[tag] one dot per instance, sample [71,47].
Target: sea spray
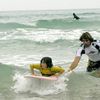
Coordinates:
[40,87]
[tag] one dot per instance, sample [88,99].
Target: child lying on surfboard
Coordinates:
[46,67]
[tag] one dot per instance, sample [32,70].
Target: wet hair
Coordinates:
[48,61]
[86,36]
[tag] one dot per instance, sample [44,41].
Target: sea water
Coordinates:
[27,36]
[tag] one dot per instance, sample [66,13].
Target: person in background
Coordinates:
[91,48]
[75,16]
[46,67]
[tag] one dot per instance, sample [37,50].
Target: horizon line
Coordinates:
[48,9]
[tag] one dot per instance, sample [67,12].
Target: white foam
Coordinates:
[45,35]
[41,87]
[42,35]
[19,60]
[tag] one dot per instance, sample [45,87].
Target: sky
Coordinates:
[6,5]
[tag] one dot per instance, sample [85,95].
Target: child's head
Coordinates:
[46,62]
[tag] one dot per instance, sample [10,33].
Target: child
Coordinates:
[46,67]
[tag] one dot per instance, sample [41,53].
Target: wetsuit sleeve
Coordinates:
[98,43]
[36,66]
[57,69]
[79,52]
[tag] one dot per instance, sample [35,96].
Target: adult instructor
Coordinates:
[91,48]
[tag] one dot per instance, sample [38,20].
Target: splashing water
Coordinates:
[40,87]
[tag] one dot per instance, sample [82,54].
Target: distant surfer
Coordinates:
[46,67]
[75,16]
[91,48]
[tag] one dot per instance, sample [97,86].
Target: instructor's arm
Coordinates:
[74,64]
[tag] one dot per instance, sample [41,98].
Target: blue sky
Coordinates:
[6,5]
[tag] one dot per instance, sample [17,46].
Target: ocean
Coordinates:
[27,36]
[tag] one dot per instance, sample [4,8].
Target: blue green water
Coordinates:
[27,36]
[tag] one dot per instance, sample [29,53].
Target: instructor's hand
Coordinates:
[68,69]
